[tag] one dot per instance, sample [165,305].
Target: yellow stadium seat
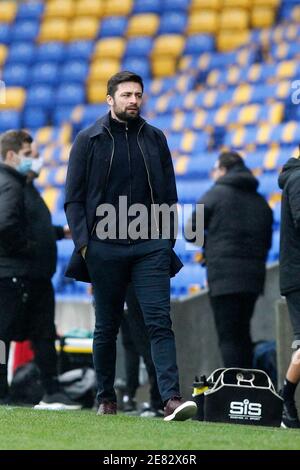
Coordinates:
[267,3]
[163,66]
[234,18]
[14,98]
[59,9]
[50,195]
[84,28]
[143,25]
[237,3]
[205,21]
[197,5]
[168,44]
[262,17]
[286,69]
[54,30]
[89,7]
[228,40]
[242,94]
[117,7]
[296,14]
[8,11]
[96,92]
[3,54]
[103,69]
[109,48]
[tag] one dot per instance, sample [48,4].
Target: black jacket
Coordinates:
[289,182]
[89,168]
[14,245]
[238,224]
[42,233]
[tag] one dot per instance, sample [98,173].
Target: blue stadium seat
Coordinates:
[137,65]
[27,30]
[5,33]
[45,73]
[274,251]
[176,5]
[51,52]
[198,43]
[30,10]
[40,96]
[79,50]
[74,71]
[190,192]
[10,120]
[138,47]
[147,6]
[90,114]
[268,184]
[21,53]
[70,94]
[113,26]
[173,22]
[16,75]
[62,114]
[277,215]
[33,118]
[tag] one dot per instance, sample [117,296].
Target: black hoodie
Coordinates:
[289,182]
[238,225]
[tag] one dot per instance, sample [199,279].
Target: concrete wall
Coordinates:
[196,340]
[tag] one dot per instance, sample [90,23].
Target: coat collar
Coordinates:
[101,124]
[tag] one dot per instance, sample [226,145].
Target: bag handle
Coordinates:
[220,377]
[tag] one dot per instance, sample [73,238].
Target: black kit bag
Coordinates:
[242,396]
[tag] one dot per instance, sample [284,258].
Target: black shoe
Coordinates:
[57,401]
[129,404]
[290,417]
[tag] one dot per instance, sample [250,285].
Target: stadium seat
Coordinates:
[140,47]
[113,26]
[147,6]
[96,92]
[70,94]
[91,7]
[163,66]
[51,52]
[172,23]
[33,118]
[54,30]
[45,73]
[137,65]
[234,19]
[14,98]
[197,5]
[227,41]
[3,54]
[8,11]
[25,31]
[109,48]
[40,96]
[103,69]
[59,9]
[74,71]
[16,75]
[117,8]
[85,28]
[170,45]
[30,10]
[143,25]
[9,119]
[79,50]
[203,21]
[196,44]
[262,17]
[5,33]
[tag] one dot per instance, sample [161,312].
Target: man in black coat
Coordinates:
[118,164]
[289,182]
[238,234]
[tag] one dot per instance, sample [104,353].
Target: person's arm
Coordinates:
[11,217]
[76,192]
[294,200]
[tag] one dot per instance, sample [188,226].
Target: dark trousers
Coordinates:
[293,302]
[147,265]
[27,312]
[137,344]
[232,315]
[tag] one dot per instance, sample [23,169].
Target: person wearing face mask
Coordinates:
[37,323]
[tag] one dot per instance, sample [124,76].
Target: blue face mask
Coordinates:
[25,165]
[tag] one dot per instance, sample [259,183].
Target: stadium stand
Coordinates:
[218,74]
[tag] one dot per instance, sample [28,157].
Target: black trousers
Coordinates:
[233,315]
[147,266]
[293,302]
[137,344]
[27,312]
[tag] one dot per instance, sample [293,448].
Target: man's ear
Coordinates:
[9,156]
[109,100]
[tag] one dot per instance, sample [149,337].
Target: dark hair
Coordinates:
[13,140]
[228,160]
[122,77]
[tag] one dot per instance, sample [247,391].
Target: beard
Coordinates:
[127,115]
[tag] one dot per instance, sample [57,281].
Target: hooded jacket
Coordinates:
[238,233]
[289,182]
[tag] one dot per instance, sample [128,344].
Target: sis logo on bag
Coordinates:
[245,410]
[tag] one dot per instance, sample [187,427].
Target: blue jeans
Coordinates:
[147,265]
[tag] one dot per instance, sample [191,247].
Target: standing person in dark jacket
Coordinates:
[289,182]
[15,249]
[238,225]
[27,299]
[122,155]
